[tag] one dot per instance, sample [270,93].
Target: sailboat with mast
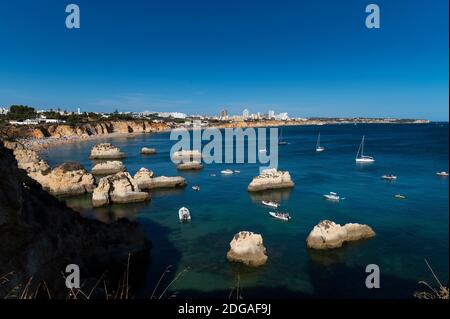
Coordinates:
[360,157]
[318,147]
[280,140]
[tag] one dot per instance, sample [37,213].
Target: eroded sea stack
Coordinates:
[247,248]
[327,234]
[119,188]
[270,179]
[105,151]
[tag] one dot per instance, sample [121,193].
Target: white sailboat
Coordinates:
[318,147]
[360,157]
[280,140]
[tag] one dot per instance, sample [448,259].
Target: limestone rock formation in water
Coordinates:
[247,248]
[328,235]
[108,167]
[270,179]
[161,182]
[68,179]
[190,166]
[118,188]
[106,151]
[148,151]
[40,236]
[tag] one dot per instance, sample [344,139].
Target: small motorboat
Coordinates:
[270,204]
[227,172]
[445,174]
[389,177]
[196,188]
[184,214]
[332,196]
[399,196]
[236,171]
[283,216]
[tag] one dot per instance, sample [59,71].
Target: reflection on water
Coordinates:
[274,195]
[107,214]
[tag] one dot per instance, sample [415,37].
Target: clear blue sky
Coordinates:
[308,58]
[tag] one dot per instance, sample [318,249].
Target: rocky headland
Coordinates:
[39,235]
[328,235]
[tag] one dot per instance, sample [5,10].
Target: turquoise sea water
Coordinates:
[407,230]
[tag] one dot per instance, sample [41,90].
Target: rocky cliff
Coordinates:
[81,130]
[39,235]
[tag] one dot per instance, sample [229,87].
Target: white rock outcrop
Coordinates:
[328,235]
[270,179]
[118,188]
[106,151]
[148,151]
[247,248]
[190,166]
[108,167]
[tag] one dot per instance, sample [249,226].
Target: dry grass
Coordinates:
[121,292]
[440,292]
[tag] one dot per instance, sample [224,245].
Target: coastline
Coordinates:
[41,143]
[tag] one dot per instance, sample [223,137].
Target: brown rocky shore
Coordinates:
[38,137]
[40,236]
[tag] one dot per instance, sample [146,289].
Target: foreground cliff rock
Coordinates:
[328,235]
[247,248]
[40,236]
[108,167]
[270,179]
[106,151]
[119,188]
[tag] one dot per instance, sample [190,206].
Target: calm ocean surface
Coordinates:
[407,230]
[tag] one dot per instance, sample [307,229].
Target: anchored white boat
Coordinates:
[283,216]
[332,196]
[184,214]
[196,188]
[227,172]
[360,157]
[389,177]
[270,204]
[442,173]
[280,140]
[318,147]
[399,196]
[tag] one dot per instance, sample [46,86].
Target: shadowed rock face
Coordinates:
[39,235]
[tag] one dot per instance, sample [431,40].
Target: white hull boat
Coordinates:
[445,174]
[318,147]
[332,196]
[226,172]
[389,177]
[360,157]
[270,204]
[184,214]
[283,216]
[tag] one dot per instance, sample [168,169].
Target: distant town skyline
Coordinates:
[306,58]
